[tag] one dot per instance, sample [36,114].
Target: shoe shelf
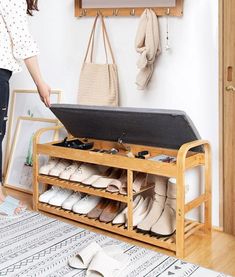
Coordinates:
[163,242]
[44,179]
[185,159]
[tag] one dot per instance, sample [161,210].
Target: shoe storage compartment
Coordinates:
[185,159]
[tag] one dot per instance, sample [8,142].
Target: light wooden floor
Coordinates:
[216,253]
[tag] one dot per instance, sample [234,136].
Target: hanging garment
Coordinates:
[98,82]
[147,43]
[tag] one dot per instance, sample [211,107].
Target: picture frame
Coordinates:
[19,174]
[25,103]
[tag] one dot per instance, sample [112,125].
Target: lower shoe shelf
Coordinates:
[164,242]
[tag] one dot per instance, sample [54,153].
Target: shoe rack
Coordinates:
[186,159]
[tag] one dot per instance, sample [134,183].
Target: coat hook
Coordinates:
[84,12]
[115,12]
[168,11]
[98,12]
[132,12]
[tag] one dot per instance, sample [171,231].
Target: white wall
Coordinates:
[185,78]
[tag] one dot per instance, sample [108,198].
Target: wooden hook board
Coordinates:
[81,11]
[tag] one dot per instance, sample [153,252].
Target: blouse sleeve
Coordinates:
[14,13]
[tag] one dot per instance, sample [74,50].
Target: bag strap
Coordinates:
[91,40]
[105,36]
[90,47]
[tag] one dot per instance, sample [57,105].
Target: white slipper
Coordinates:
[98,266]
[91,179]
[85,255]
[104,172]
[103,182]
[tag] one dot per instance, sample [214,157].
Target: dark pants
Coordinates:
[5,75]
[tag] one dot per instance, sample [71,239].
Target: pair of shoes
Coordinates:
[86,204]
[109,261]
[59,168]
[59,197]
[161,219]
[54,167]
[72,200]
[104,172]
[83,172]
[101,182]
[67,170]
[45,169]
[141,207]
[120,185]
[77,171]
[76,144]
[55,196]
[106,210]
[49,194]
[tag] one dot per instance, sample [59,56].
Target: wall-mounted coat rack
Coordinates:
[127,7]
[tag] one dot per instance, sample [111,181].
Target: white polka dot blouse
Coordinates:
[16,42]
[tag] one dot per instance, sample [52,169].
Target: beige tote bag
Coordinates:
[98,82]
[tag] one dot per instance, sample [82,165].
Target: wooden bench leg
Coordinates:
[180,203]
[130,200]
[35,180]
[207,207]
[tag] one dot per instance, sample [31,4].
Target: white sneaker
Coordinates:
[60,167]
[47,195]
[86,204]
[60,197]
[69,170]
[71,200]
[84,172]
[47,167]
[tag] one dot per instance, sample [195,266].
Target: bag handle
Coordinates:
[90,47]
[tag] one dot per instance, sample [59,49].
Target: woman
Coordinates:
[16,44]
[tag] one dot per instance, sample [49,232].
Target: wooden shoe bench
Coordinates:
[186,159]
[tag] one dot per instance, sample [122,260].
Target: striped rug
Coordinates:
[36,245]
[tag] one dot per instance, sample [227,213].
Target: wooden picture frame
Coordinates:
[19,175]
[80,11]
[21,104]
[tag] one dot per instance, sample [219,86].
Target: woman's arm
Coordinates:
[34,70]
[24,47]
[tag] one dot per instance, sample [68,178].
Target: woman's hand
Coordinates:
[44,92]
[43,89]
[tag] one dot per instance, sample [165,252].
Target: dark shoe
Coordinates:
[110,212]
[76,144]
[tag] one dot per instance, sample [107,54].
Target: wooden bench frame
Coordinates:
[185,160]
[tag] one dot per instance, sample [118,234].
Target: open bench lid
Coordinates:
[150,127]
